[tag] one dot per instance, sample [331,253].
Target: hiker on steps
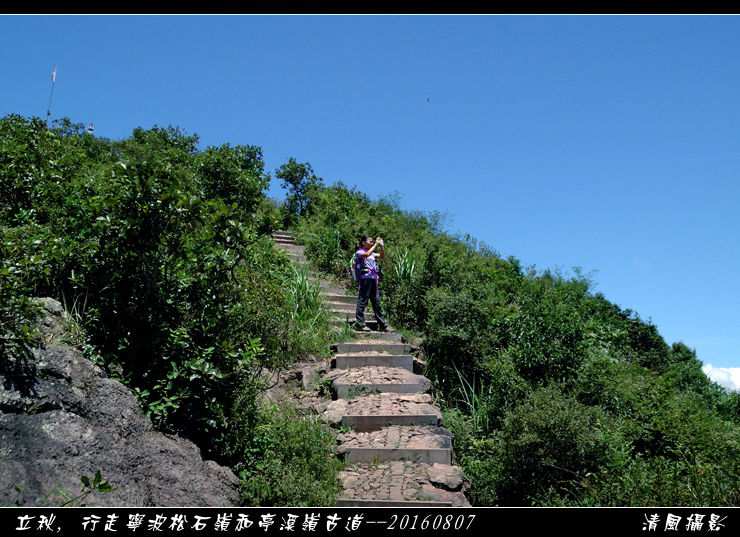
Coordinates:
[365,257]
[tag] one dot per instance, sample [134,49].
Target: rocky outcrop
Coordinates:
[61,417]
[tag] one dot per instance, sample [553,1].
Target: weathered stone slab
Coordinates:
[372,345]
[398,484]
[373,412]
[349,310]
[333,297]
[387,336]
[447,477]
[427,455]
[344,307]
[326,287]
[351,361]
[368,380]
[425,444]
[290,247]
[345,502]
[342,321]
[376,335]
[351,318]
[376,422]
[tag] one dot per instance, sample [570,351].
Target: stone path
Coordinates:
[390,433]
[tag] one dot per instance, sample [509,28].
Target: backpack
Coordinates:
[355,269]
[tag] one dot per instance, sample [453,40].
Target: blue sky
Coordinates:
[608,143]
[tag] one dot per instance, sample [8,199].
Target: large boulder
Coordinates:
[61,417]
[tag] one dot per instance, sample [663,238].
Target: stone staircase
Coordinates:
[390,433]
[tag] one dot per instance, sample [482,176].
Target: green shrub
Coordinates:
[234,175]
[184,303]
[287,460]
[479,458]
[549,441]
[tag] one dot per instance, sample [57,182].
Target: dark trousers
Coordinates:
[369,290]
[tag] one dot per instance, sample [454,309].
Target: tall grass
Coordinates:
[309,316]
[404,268]
[468,398]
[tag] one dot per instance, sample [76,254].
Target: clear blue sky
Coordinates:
[609,143]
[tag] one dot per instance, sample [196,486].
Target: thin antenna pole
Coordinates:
[48,110]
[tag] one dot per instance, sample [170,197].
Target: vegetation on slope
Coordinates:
[160,251]
[555,395]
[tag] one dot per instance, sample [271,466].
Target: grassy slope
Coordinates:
[556,396]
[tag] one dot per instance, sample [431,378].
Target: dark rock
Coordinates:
[61,417]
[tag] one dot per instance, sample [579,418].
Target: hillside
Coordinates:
[162,255]
[555,395]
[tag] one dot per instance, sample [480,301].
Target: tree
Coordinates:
[299,180]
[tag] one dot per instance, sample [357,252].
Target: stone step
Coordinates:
[411,502]
[369,321]
[376,422]
[371,344]
[403,484]
[346,318]
[290,247]
[387,336]
[421,444]
[350,317]
[353,361]
[348,314]
[284,234]
[375,335]
[373,412]
[343,307]
[339,298]
[326,287]
[341,304]
[347,307]
[350,383]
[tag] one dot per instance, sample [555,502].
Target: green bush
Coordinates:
[478,456]
[549,441]
[233,175]
[288,460]
[183,300]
